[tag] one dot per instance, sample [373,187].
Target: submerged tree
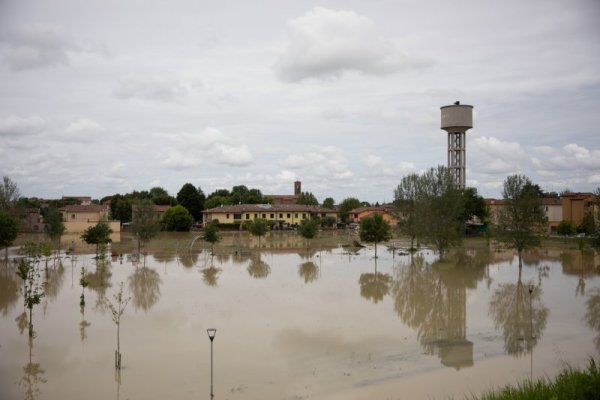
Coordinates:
[308,229]
[211,235]
[83,282]
[54,226]
[98,235]
[145,224]
[522,220]
[8,231]
[374,229]
[33,291]
[258,227]
[117,309]
[406,198]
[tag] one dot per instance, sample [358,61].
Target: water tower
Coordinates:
[456,120]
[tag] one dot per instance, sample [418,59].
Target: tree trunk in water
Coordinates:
[30,323]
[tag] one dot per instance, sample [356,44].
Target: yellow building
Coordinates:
[576,205]
[77,218]
[356,215]
[281,214]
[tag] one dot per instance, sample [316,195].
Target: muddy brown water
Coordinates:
[328,322]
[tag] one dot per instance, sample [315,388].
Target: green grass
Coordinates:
[570,384]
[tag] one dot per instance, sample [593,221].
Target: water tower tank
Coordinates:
[456,120]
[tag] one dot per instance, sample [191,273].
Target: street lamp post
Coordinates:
[211,335]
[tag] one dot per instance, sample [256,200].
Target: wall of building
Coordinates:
[289,218]
[81,226]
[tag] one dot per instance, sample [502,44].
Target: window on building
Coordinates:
[288,215]
[226,216]
[264,216]
[247,216]
[295,215]
[237,217]
[280,215]
[272,215]
[72,216]
[255,215]
[303,215]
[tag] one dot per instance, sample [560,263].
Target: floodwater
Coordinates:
[330,322]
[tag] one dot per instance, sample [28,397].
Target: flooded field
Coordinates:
[325,322]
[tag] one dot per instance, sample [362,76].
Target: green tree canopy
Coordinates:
[522,220]
[177,218]
[406,201]
[307,198]
[329,202]
[346,205]
[97,234]
[9,193]
[55,227]
[565,228]
[211,235]
[190,198]
[258,227]
[8,230]
[473,206]
[216,201]
[160,196]
[145,224]
[374,229]
[308,229]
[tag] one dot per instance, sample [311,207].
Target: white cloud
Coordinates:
[37,46]
[151,89]
[493,156]
[325,43]
[322,162]
[192,150]
[12,125]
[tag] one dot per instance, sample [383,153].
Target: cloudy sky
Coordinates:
[105,96]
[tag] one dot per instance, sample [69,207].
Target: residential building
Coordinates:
[287,198]
[77,218]
[553,209]
[32,221]
[283,215]
[386,211]
[159,210]
[576,205]
[83,200]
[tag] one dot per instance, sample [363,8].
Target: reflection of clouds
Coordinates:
[308,271]
[521,316]
[144,284]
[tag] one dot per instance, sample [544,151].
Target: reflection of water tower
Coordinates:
[456,120]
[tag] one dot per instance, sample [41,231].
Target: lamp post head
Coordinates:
[211,333]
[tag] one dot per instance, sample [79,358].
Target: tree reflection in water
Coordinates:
[432,300]
[83,325]
[210,275]
[144,284]
[374,286]
[258,268]
[32,377]
[520,314]
[592,316]
[309,271]
[55,278]
[9,290]
[188,259]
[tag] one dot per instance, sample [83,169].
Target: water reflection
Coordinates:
[592,315]
[9,289]
[308,271]
[520,313]
[144,284]
[188,259]
[374,286]
[257,268]
[83,325]
[432,300]
[210,275]
[54,279]
[32,376]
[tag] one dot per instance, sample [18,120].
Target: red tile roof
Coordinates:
[92,208]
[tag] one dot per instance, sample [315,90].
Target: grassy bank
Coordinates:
[571,384]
